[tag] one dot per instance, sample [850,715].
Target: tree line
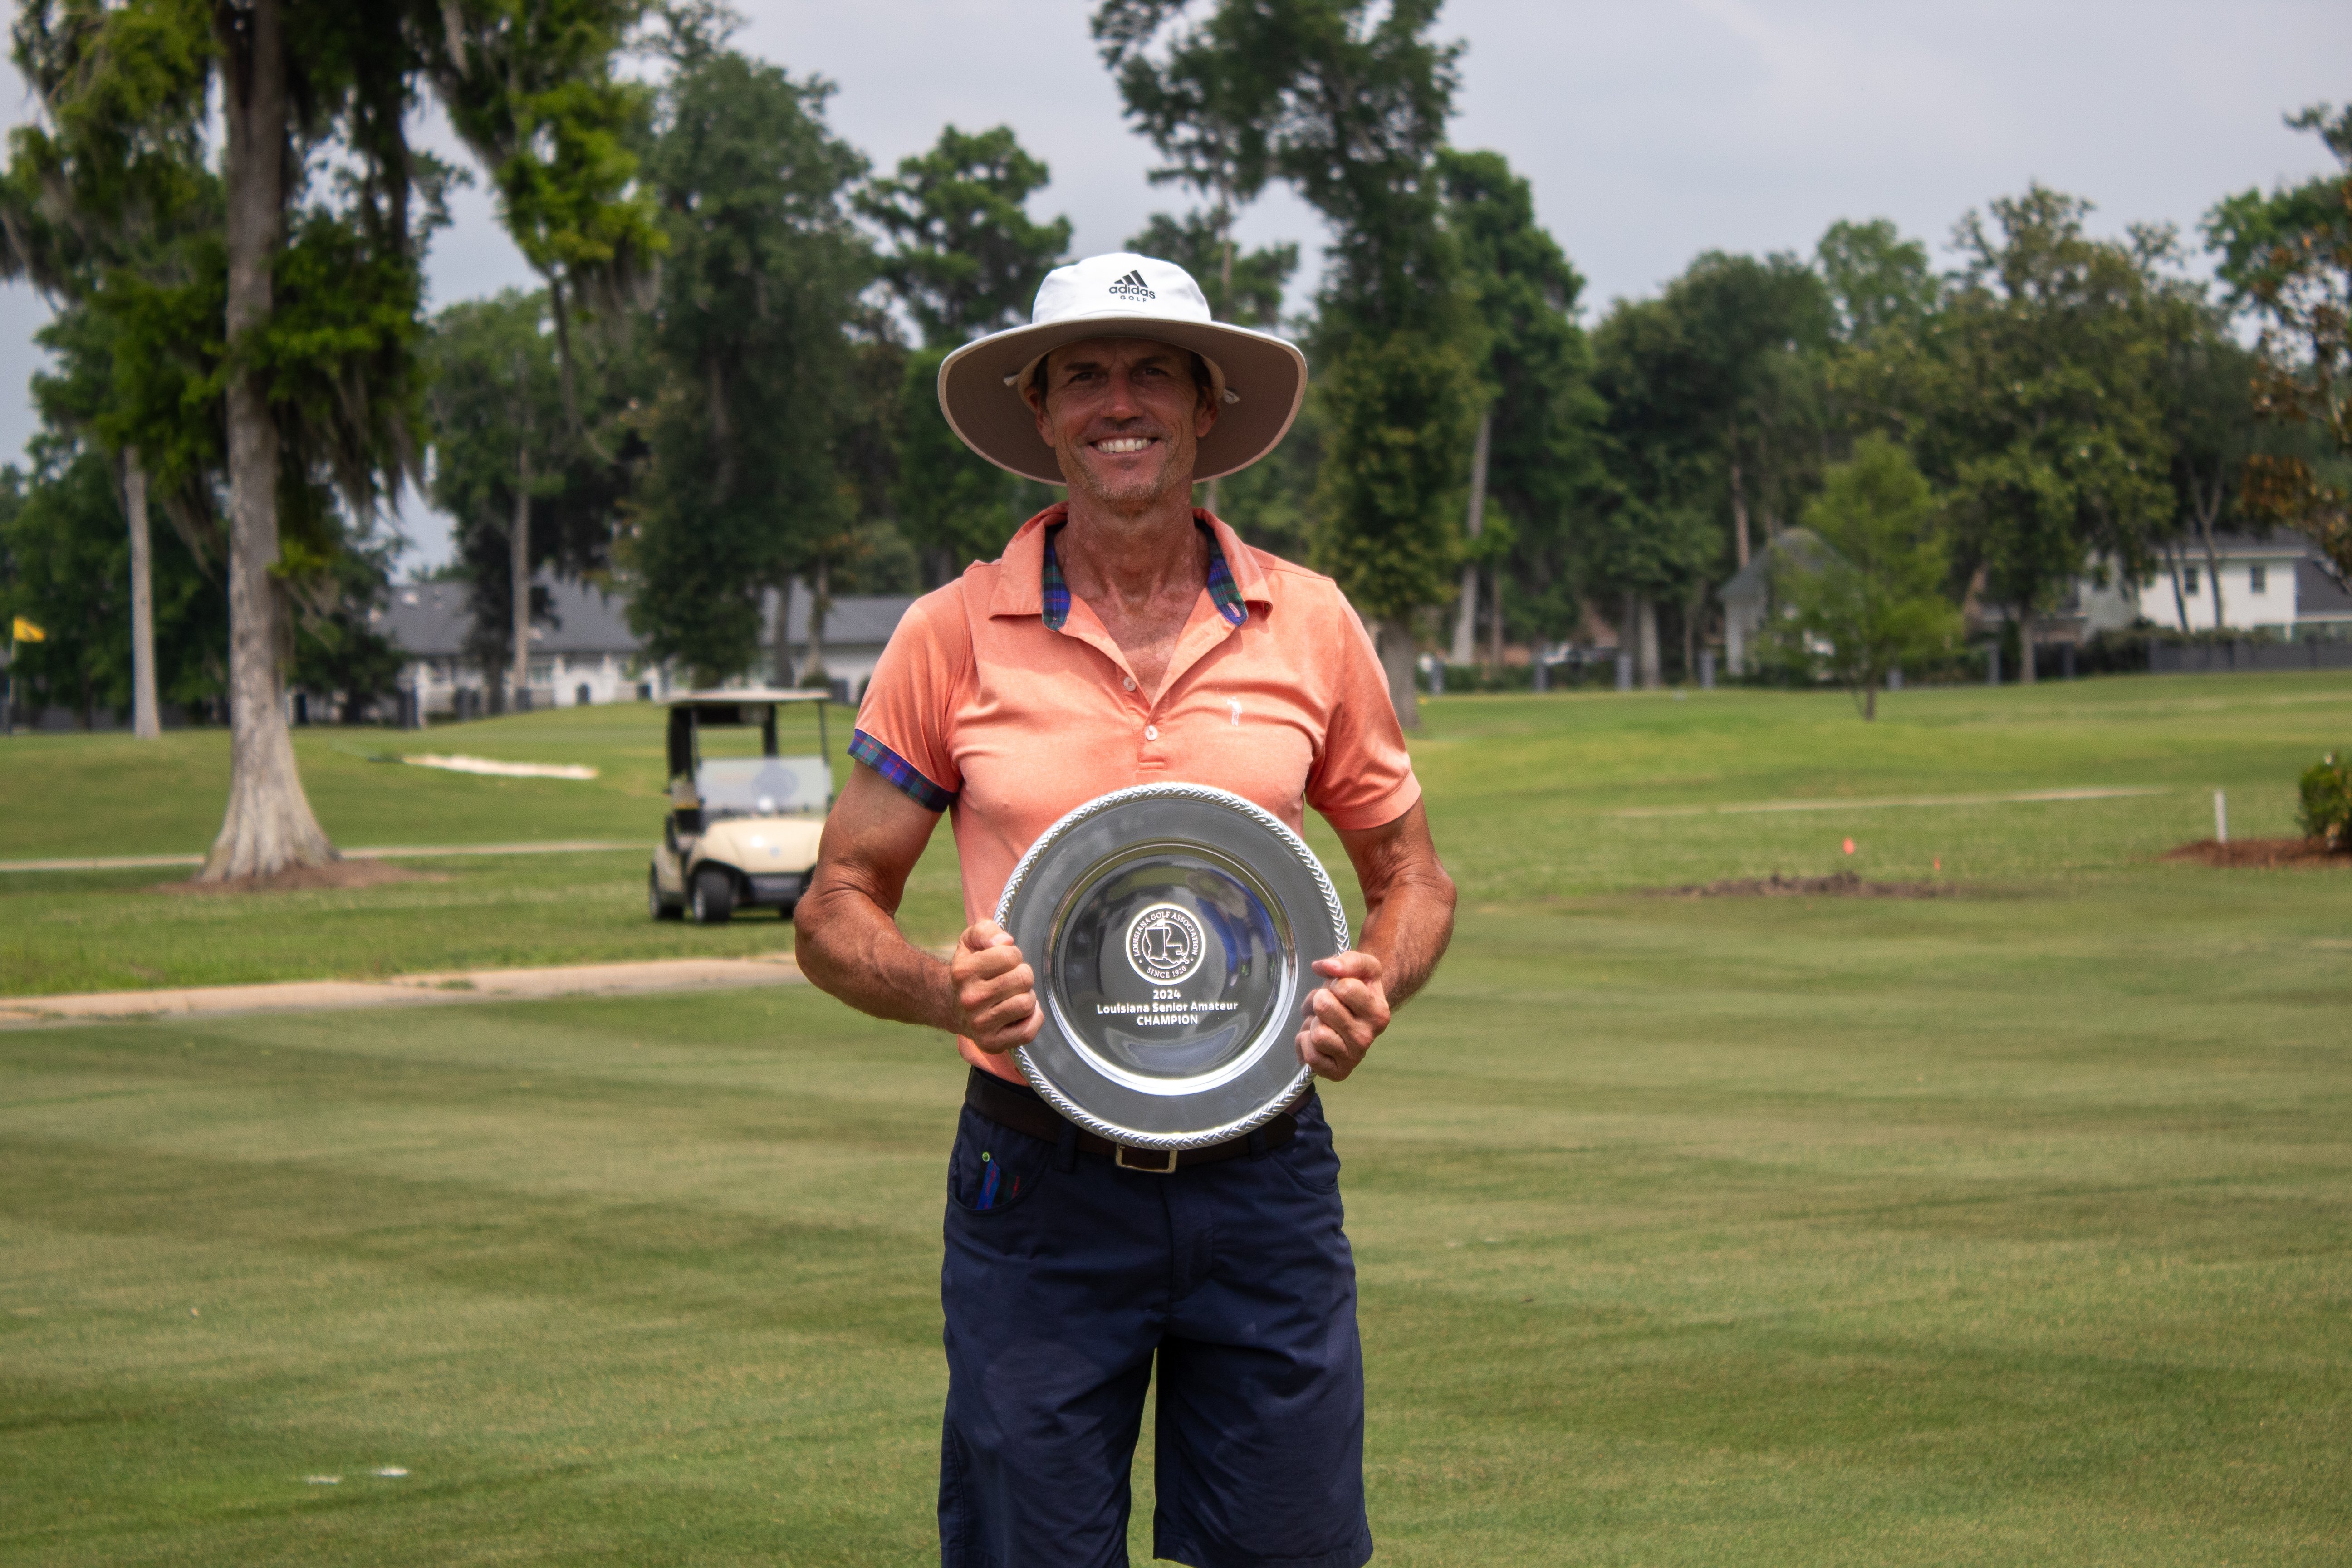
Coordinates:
[722,382]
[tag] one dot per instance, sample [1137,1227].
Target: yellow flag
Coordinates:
[28,632]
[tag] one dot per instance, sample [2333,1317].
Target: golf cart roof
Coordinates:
[749,696]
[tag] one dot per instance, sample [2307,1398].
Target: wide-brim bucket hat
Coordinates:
[1259,379]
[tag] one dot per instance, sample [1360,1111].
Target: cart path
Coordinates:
[632,978]
[381,852]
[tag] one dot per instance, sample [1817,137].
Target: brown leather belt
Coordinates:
[1019,1108]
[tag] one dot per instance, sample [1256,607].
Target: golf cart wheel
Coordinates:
[657,907]
[714,897]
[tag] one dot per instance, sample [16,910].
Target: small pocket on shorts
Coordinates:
[1309,1158]
[991,1167]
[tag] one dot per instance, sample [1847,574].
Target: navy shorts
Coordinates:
[1067,1279]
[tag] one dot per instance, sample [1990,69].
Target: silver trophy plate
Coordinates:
[1171,928]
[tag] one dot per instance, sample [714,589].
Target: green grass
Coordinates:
[74,794]
[2006,1228]
[1525,793]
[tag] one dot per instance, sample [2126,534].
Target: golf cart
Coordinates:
[742,831]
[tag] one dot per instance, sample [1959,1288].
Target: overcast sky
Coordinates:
[1650,131]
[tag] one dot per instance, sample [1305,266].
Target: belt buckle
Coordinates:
[1119,1152]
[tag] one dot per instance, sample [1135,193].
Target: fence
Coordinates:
[2206,657]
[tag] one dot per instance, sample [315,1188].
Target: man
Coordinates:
[1122,638]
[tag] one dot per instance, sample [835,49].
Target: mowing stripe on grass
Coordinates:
[1755,806]
[379,852]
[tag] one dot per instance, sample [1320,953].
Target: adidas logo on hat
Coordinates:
[1132,287]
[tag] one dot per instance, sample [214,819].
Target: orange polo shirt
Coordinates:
[1001,701]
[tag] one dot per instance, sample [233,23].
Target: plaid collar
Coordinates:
[1223,592]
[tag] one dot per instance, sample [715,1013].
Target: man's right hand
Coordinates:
[995,990]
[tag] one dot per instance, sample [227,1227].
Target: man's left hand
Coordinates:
[1345,1015]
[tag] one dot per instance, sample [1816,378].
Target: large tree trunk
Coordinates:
[820,606]
[2206,513]
[776,608]
[269,825]
[1494,618]
[1394,641]
[1473,523]
[519,568]
[1738,505]
[2025,644]
[146,717]
[2179,600]
[1645,635]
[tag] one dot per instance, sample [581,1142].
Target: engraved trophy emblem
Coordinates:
[1165,944]
[1173,928]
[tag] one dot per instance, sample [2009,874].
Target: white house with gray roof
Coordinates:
[583,652]
[2275,583]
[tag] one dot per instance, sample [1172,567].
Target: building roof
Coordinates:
[432,620]
[2280,545]
[854,619]
[1752,583]
[2317,593]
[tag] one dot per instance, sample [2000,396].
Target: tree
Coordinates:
[1243,286]
[965,259]
[751,331]
[531,88]
[1755,331]
[1879,284]
[2035,403]
[526,491]
[2212,431]
[2287,258]
[1870,600]
[99,204]
[1204,103]
[64,559]
[1654,530]
[325,210]
[1348,101]
[1535,452]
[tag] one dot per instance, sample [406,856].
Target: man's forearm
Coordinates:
[850,948]
[1408,931]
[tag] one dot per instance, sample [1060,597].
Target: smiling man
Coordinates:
[1126,638]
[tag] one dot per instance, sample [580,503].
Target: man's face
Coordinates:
[1124,416]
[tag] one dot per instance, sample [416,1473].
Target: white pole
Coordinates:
[2220,817]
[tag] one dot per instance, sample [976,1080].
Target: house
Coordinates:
[2275,583]
[856,628]
[585,652]
[1747,596]
[582,652]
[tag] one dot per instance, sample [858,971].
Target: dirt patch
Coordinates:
[2260,853]
[1839,885]
[335,874]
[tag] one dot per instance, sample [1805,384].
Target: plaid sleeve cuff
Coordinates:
[900,771]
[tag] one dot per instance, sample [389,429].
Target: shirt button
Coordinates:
[1129,683]
[1151,731]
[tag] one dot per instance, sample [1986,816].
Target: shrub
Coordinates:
[2328,801]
